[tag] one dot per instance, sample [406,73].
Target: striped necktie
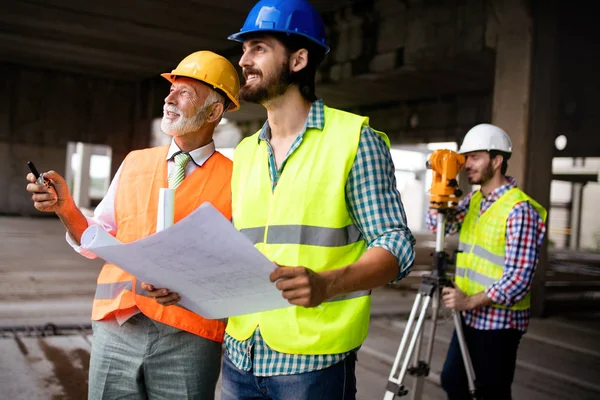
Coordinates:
[178,173]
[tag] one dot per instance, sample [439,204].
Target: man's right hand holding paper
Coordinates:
[162,296]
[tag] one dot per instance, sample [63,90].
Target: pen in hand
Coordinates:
[49,191]
[39,177]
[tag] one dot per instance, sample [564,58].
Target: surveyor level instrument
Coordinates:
[444,194]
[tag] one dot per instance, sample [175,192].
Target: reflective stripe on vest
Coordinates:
[349,296]
[304,234]
[481,252]
[474,276]
[256,235]
[109,291]
[465,247]
[311,236]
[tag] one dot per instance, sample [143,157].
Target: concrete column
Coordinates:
[81,178]
[576,208]
[525,102]
[69,173]
[510,109]
[576,203]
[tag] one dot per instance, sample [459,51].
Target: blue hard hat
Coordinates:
[297,17]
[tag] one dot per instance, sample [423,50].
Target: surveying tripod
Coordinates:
[445,165]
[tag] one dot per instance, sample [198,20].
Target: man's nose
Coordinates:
[170,99]
[245,60]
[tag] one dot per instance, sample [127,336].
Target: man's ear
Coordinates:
[497,161]
[216,112]
[298,60]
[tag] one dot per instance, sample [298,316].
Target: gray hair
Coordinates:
[214,97]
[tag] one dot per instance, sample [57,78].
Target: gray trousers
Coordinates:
[144,359]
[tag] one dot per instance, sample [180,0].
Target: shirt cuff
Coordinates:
[431,220]
[84,252]
[497,296]
[405,256]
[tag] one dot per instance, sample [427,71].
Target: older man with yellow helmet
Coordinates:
[143,348]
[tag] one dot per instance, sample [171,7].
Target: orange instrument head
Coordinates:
[445,166]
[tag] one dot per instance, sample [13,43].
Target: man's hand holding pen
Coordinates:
[51,197]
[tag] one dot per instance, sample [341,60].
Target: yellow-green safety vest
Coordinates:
[483,243]
[304,222]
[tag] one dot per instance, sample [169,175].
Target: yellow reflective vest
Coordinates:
[483,244]
[305,222]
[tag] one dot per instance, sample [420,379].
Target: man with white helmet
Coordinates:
[501,231]
[146,348]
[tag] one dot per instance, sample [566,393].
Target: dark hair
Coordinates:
[305,78]
[505,156]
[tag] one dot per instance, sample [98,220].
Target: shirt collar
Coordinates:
[314,120]
[199,155]
[499,191]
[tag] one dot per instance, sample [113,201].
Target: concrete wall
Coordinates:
[381,35]
[442,119]
[574,220]
[579,81]
[559,216]
[590,221]
[42,110]
[562,228]
[426,62]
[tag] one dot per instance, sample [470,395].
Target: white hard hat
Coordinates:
[486,137]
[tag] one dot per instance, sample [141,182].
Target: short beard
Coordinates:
[488,174]
[184,125]
[270,88]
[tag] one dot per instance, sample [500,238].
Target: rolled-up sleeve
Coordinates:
[454,217]
[374,202]
[525,232]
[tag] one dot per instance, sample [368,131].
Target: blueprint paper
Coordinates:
[213,267]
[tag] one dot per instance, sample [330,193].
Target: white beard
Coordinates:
[182,125]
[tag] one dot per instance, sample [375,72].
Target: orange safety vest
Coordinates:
[143,173]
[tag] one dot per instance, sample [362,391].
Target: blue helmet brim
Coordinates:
[240,36]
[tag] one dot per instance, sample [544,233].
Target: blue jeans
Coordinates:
[493,354]
[337,382]
[144,359]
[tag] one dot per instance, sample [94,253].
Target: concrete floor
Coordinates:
[43,281]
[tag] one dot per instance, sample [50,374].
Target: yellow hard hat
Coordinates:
[213,69]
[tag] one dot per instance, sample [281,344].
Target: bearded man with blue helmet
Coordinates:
[315,190]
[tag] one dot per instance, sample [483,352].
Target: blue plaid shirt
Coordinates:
[376,209]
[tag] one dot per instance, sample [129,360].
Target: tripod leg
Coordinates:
[464,350]
[419,380]
[407,331]
[435,310]
[394,384]
[415,336]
